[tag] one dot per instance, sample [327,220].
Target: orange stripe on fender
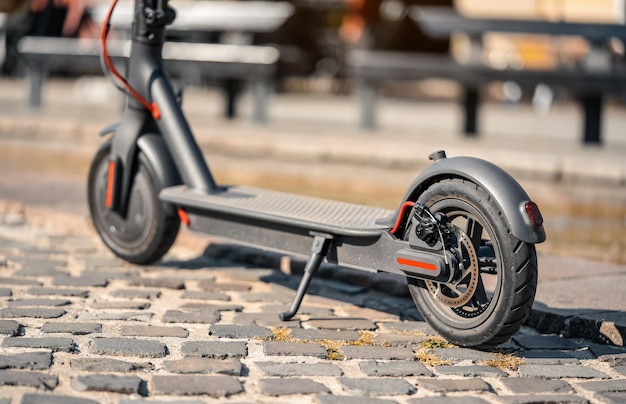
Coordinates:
[417,264]
[110,185]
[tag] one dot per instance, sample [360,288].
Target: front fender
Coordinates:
[154,148]
[503,188]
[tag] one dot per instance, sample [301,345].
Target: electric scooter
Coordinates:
[463,235]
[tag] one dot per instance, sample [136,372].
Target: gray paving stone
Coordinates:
[39,302]
[614,360]
[215,349]
[239,331]
[618,397]
[19,282]
[34,312]
[149,401]
[378,386]
[56,344]
[549,357]
[58,292]
[452,385]
[54,399]
[49,270]
[153,331]
[288,386]
[9,327]
[305,309]
[103,365]
[38,380]
[212,286]
[395,369]
[470,371]
[265,320]
[603,386]
[449,400]
[299,369]
[332,335]
[137,294]
[206,295]
[333,399]
[141,316]
[127,305]
[28,360]
[543,398]
[5,292]
[211,306]
[109,383]
[457,355]
[620,369]
[128,347]
[166,283]
[192,364]
[91,280]
[190,317]
[377,352]
[281,348]
[399,339]
[265,297]
[545,342]
[214,385]
[354,324]
[560,372]
[521,385]
[72,328]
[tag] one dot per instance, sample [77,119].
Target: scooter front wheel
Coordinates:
[149,227]
[493,295]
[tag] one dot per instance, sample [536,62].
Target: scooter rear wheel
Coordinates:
[493,297]
[148,229]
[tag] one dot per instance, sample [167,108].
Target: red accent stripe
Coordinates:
[184,217]
[110,185]
[417,264]
[405,205]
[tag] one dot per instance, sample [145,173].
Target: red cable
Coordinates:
[405,205]
[153,108]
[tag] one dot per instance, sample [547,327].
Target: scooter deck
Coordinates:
[296,211]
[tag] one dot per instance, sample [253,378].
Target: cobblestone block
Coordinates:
[543,398]
[192,364]
[265,320]
[395,369]
[211,307]
[617,397]
[299,369]
[41,268]
[109,383]
[137,294]
[521,385]
[214,386]
[198,316]
[206,295]
[5,292]
[545,342]
[280,348]
[457,355]
[215,349]
[379,386]
[399,339]
[411,327]
[129,305]
[377,352]
[603,386]
[39,302]
[212,286]
[560,372]
[614,360]
[128,347]
[28,360]
[453,385]
[153,331]
[19,282]
[332,335]
[358,324]
[470,371]
[288,386]
[72,328]
[34,312]
[239,331]
[141,316]
[54,399]
[166,283]
[58,292]
[333,399]
[56,344]
[103,365]
[542,357]
[91,280]
[448,400]
[9,327]
[30,379]
[265,297]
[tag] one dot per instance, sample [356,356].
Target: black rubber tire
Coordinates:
[499,313]
[150,227]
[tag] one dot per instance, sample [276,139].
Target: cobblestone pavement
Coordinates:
[79,326]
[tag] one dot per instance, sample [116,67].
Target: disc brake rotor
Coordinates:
[449,293]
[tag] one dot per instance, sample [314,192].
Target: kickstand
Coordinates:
[319,249]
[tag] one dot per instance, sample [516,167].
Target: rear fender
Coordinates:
[503,188]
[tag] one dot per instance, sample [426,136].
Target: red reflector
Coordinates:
[532,210]
[417,264]
[183,216]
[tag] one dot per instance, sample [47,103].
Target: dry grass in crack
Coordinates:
[426,356]
[505,361]
[437,342]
